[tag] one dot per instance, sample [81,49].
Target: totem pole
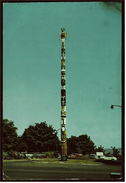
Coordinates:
[63,36]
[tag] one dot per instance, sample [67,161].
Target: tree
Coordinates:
[116,5]
[40,137]
[72,144]
[22,146]
[100,149]
[116,152]
[82,144]
[9,136]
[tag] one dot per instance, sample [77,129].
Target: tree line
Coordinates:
[43,138]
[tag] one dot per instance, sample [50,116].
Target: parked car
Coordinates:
[112,158]
[29,155]
[40,155]
[93,156]
[119,157]
[75,155]
[59,156]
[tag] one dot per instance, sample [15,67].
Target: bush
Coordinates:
[56,155]
[6,155]
[51,154]
[48,155]
[39,155]
[21,155]
[11,154]
[35,155]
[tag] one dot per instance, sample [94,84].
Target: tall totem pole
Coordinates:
[63,36]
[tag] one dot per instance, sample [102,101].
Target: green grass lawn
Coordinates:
[69,161]
[56,160]
[85,161]
[53,168]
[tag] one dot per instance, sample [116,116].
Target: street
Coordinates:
[27,170]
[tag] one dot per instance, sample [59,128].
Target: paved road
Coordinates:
[47,171]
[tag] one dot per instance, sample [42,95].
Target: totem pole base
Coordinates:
[63,158]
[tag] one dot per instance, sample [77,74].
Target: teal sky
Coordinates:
[32,67]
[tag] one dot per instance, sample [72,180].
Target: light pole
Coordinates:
[112,106]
